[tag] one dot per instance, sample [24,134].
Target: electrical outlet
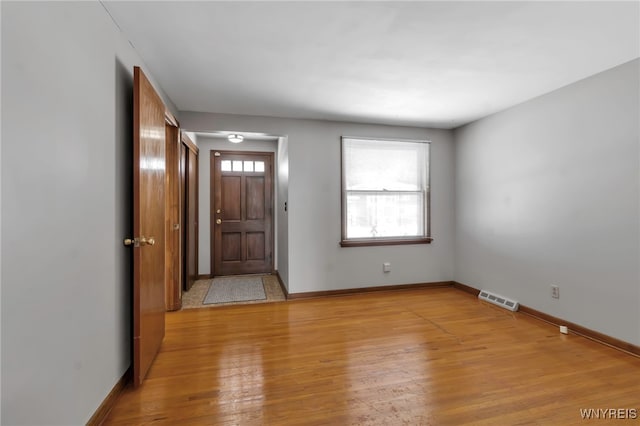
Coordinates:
[386,267]
[555,292]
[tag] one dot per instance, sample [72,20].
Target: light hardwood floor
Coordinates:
[409,357]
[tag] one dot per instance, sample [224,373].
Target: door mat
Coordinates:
[235,289]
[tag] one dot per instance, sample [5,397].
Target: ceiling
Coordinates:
[428,64]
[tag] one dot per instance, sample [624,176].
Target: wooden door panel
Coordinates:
[231,247]
[231,198]
[255,246]
[242,241]
[255,198]
[148,225]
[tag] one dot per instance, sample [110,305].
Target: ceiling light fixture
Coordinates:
[235,138]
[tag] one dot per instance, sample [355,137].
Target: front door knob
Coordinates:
[218,221]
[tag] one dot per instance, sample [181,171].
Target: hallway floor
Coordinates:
[193,298]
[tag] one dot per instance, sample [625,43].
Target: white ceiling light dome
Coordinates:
[235,138]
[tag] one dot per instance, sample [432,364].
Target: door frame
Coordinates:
[212,218]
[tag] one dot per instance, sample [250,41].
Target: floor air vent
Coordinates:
[509,304]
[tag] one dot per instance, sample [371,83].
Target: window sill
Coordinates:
[385,242]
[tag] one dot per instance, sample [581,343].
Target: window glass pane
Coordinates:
[385,165]
[248,166]
[237,166]
[379,215]
[385,188]
[226,166]
[259,166]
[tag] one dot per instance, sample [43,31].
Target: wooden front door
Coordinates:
[148,224]
[242,212]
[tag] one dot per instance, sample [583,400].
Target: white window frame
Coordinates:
[425,238]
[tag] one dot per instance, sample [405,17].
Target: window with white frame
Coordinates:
[385,191]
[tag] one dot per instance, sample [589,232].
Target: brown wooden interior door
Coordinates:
[148,224]
[173,255]
[241,212]
[191,213]
[189,210]
[183,214]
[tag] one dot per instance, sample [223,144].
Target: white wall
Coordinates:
[205,146]
[548,193]
[282,238]
[315,259]
[66,205]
